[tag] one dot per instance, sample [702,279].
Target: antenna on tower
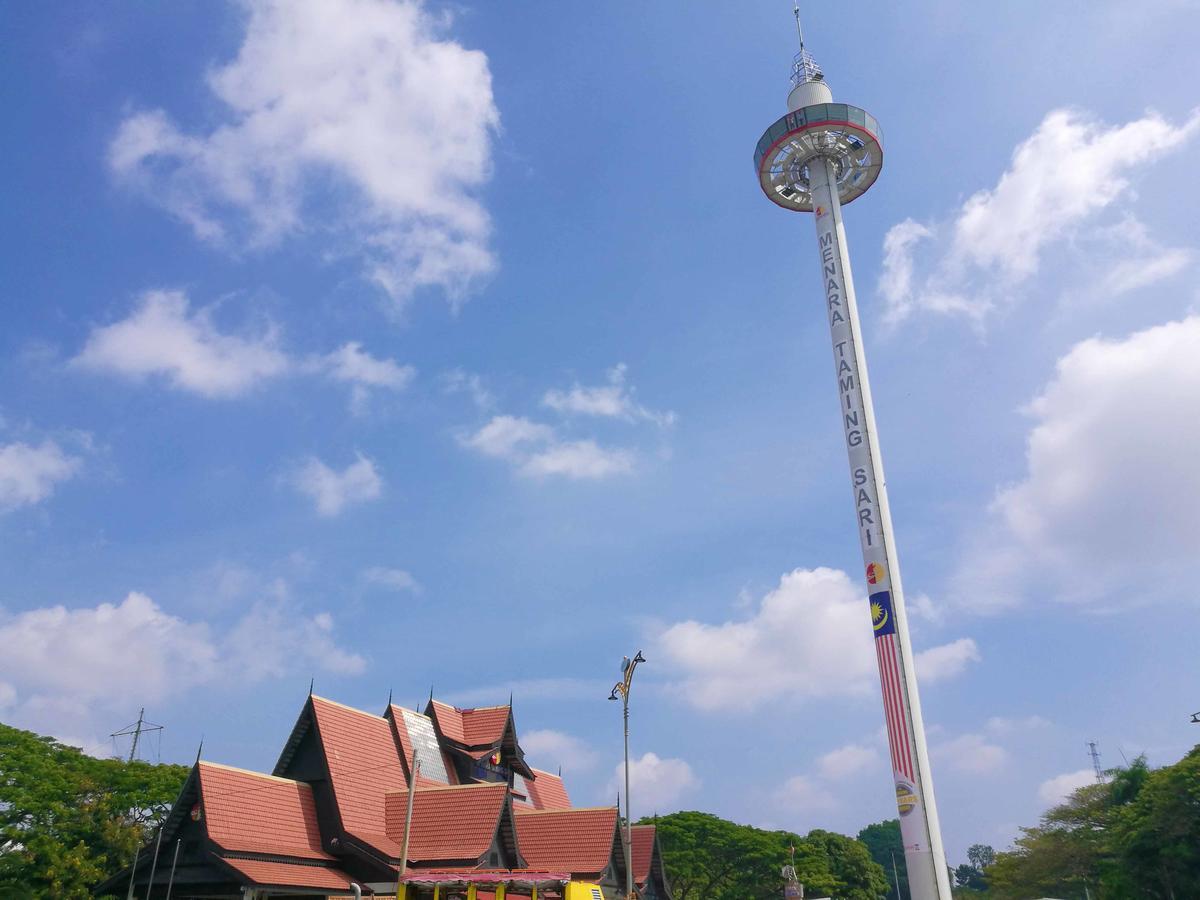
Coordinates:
[1095,754]
[137,729]
[804,67]
[799,28]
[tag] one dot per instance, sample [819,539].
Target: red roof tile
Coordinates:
[471,727]
[364,764]
[547,791]
[643,851]
[449,822]
[272,874]
[579,841]
[248,812]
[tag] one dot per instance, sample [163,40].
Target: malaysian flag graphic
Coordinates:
[887,652]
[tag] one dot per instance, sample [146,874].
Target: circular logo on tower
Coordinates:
[906,797]
[876,573]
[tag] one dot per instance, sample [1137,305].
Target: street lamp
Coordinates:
[622,687]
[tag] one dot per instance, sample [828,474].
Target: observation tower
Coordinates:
[816,158]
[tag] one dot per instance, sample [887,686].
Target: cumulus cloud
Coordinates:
[971,753]
[164,338]
[846,761]
[612,400]
[657,785]
[1109,489]
[1059,180]
[536,449]
[356,119]
[1055,790]
[392,579]
[351,364]
[332,491]
[62,664]
[810,637]
[29,474]
[801,793]
[549,749]
[946,661]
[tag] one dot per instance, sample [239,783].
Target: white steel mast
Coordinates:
[816,158]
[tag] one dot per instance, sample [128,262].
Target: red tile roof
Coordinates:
[364,764]
[277,874]
[547,791]
[449,822]
[479,727]
[253,813]
[579,841]
[643,852]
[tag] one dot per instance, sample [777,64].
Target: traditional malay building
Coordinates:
[330,820]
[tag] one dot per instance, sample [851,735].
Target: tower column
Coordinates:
[923,852]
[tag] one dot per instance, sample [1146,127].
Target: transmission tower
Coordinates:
[137,729]
[1095,754]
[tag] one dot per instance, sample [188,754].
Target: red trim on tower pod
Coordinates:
[812,127]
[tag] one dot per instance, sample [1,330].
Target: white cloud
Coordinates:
[612,400]
[536,450]
[578,459]
[1060,179]
[846,761]
[8,695]
[29,474]
[801,794]
[506,436]
[65,667]
[161,337]
[357,118]
[332,491]
[272,638]
[1108,511]
[1057,789]
[946,661]
[548,749]
[350,363]
[971,753]
[656,785]
[393,579]
[810,637]
[456,381]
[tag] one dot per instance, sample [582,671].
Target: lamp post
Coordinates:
[622,687]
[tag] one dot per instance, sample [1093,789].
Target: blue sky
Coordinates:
[395,344]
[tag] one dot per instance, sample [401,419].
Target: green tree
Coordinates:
[884,843]
[1156,834]
[709,858]
[67,820]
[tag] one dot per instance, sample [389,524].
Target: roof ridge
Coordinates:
[546,772]
[569,809]
[405,709]
[217,765]
[494,706]
[361,712]
[452,787]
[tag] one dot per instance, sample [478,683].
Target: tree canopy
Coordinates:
[886,846]
[1135,835]
[710,858]
[67,819]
